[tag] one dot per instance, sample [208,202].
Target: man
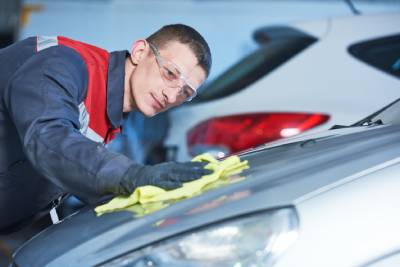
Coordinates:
[62,100]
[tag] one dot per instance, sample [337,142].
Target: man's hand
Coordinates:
[168,175]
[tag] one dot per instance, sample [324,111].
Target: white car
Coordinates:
[305,76]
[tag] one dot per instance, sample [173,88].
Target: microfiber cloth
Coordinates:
[147,199]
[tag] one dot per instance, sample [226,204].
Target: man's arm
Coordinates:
[42,100]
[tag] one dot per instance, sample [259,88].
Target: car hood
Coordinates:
[279,175]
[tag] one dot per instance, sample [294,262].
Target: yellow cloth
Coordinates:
[147,199]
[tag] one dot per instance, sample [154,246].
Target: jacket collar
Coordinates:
[115,87]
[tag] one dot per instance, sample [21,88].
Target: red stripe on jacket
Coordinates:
[96,60]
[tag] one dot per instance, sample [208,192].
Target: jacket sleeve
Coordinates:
[42,99]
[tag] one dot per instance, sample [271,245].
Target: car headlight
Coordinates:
[250,240]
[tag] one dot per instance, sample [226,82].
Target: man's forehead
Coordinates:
[176,51]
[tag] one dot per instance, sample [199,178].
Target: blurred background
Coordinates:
[116,24]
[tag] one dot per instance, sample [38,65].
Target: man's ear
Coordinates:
[139,50]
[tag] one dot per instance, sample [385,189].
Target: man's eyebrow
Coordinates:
[176,66]
[168,59]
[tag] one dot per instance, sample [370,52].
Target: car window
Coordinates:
[277,45]
[382,53]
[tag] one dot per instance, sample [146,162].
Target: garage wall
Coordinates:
[227,25]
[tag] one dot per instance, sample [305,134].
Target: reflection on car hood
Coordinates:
[279,176]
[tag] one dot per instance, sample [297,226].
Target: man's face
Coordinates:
[150,88]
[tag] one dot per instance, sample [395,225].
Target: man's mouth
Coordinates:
[157,104]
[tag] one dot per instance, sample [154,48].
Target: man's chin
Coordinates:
[149,112]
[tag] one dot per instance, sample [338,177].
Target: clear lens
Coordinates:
[254,240]
[173,77]
[170,75]
[186,93]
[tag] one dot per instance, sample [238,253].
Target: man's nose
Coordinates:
[171,93]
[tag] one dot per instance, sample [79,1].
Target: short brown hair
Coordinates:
[185,35]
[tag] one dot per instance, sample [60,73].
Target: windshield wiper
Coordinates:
[369,122]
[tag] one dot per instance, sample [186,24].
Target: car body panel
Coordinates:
[279,176]
[360,226]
